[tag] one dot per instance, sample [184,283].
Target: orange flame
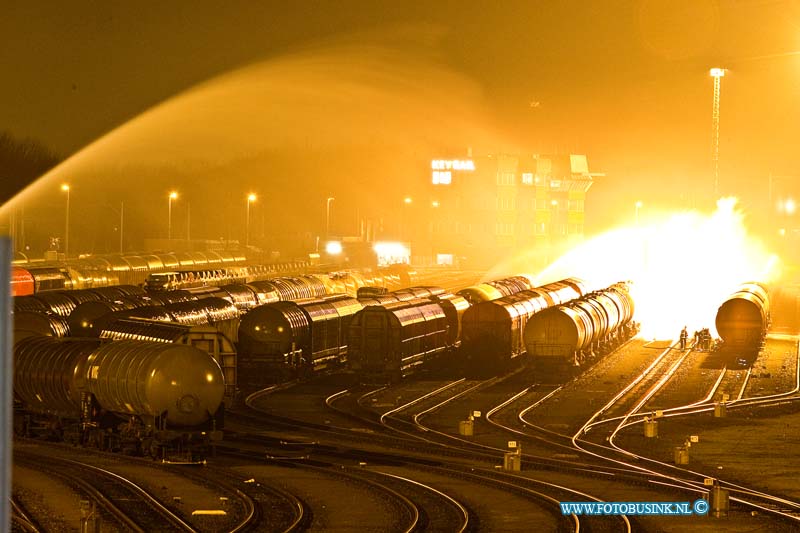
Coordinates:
[682,267]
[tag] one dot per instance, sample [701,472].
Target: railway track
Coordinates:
[122,501]
[416,409]
[414,506]
[544,497]
[21,520]
[416,413]
[675,476]
[429,508]
[413,413]
[693,483]
[242,504]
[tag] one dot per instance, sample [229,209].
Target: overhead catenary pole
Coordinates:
[250,199]
[65,188]
[6,384]
[121,226]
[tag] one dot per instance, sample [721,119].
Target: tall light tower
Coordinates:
[716,73]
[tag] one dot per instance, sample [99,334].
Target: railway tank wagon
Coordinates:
[84,319]
[492,332]
[743,318]
[206,338]
[387,343]
[494,289]
[22,282]
[562,339]
[125,395]
[31,280]
[32,323]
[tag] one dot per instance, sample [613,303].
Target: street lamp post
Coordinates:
[250,199]
[65,188]
[328,217]
[121,214]
[172,196]
[121,226]
[403,222]
[638,206]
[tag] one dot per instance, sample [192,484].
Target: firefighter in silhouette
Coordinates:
[684,337]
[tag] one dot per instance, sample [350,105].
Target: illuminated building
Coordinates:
[483,209]
[783,217]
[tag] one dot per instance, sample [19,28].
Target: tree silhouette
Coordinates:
[21,162]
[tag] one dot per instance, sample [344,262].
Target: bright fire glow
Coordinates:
[682,267]
[333,248]
[390,253]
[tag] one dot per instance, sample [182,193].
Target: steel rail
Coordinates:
[461,509]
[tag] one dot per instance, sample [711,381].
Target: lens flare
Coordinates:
[682,267]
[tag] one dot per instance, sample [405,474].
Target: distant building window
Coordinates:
[576,205]
[503,228]
[505,204]
[527,178]
[555,184]
[505,178]
[442,177]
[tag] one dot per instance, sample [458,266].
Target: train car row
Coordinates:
[30,277]
[158,387]
[391,335]
[81,307]
[313,333]
[563,339]
[492,331]
[560,327]
[153,390]
[346,282]
[127,312]
[104,271]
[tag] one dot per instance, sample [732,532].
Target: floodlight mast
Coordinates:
[717,74]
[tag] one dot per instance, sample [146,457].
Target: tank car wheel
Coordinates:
[21,426]
[92,440]
[155,451]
